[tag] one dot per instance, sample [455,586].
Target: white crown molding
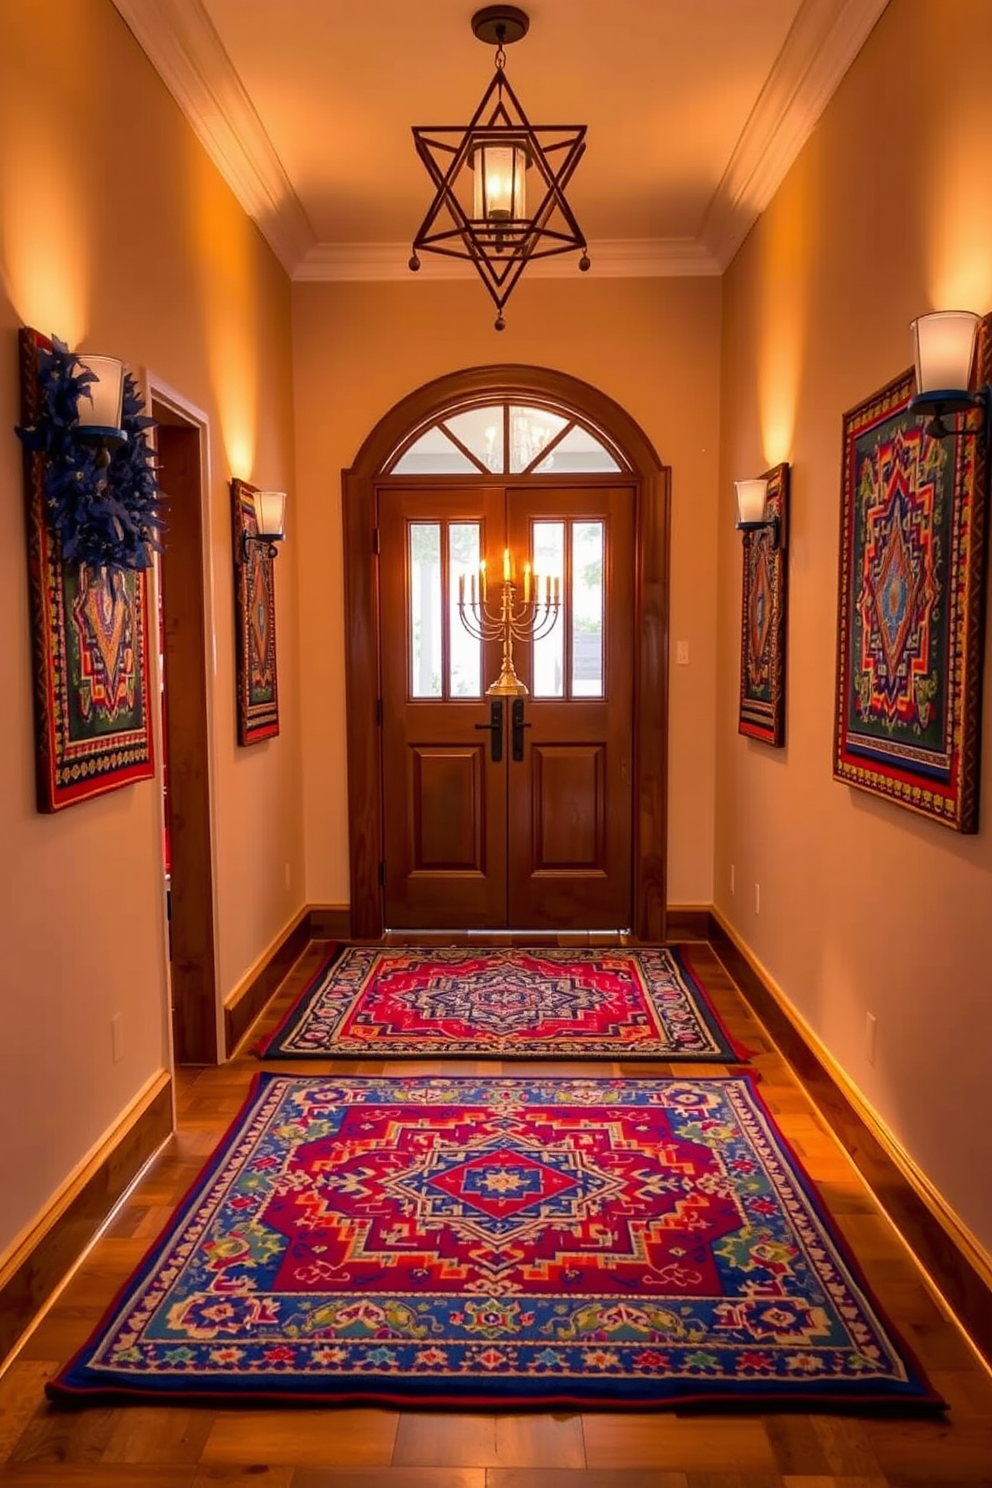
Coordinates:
[615,258]
[823,41]
[182,45]
[179,40]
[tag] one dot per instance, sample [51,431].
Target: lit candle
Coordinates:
[526,583]
[506,565]
[482,579]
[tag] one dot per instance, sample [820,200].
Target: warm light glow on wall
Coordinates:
[957,223]
[230,309]
[784,276]
[43,249]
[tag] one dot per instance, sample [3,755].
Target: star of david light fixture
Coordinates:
[480,172]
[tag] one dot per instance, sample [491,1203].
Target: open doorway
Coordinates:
[187,855]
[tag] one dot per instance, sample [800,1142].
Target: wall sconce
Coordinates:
[752,509]
[100,411]
[945,349]
[270,519]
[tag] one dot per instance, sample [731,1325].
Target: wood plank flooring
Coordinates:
[176,1447]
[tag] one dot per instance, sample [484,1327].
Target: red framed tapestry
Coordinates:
[254,623]
[911,606]
[761,713]
[89,628]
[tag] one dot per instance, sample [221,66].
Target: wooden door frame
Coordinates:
[652,483]
[195,1016]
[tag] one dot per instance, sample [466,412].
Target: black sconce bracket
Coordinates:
[948,403]
[772,524]
[269,540]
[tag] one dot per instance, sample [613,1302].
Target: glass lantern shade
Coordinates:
[101,402]
[945,347]
[751,498]
[499,189]
[270,513]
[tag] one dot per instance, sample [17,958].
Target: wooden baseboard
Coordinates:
[330,922]
[242,1007]
[955,1262]
[688,922]
[251,994]
[38,1263]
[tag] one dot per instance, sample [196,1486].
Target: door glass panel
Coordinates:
[581,453]
[434,454]
[587,609]
[530,431]
[426,640]
[549,570]
[465,666]
[481,431]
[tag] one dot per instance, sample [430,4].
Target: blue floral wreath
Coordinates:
[105,515]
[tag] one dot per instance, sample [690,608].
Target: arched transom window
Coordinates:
[507,439]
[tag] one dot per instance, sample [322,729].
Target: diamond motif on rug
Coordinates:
[498,1243]
[611,1003]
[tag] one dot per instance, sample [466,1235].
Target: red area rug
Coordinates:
[526,1002]
[501,1243]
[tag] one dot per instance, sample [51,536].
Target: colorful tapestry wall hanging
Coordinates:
[93,727]
[911,607]
[763,620]
[506,1003]
[501,1243]
[254,624]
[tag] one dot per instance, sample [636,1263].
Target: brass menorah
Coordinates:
[530,618]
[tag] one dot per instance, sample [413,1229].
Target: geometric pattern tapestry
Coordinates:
[761,714]
[910,609]
[254,623]
[558,1004]
[91,649]
[500,1243]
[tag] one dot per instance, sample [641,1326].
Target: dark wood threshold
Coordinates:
[75,1216]
[952,1270]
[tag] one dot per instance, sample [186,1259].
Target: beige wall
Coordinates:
[864,907]
[652,345]
[118,235]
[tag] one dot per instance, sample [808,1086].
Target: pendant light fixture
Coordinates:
[500,180]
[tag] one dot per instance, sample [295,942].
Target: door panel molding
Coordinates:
[361,485]
[563,773]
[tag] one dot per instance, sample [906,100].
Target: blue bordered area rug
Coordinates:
[615,1003]
[501,1243]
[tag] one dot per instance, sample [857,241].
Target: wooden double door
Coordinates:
[507,812]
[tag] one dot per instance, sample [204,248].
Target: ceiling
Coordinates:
[695,110]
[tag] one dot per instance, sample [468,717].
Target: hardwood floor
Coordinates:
[175,1447]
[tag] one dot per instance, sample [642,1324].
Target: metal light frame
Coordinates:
[261,503]
[765,522]
[960,398]
[500,250]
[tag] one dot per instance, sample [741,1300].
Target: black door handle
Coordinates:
[495,727]
[517,717]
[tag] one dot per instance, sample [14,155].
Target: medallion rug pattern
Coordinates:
[496,1243]
[557,1004]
